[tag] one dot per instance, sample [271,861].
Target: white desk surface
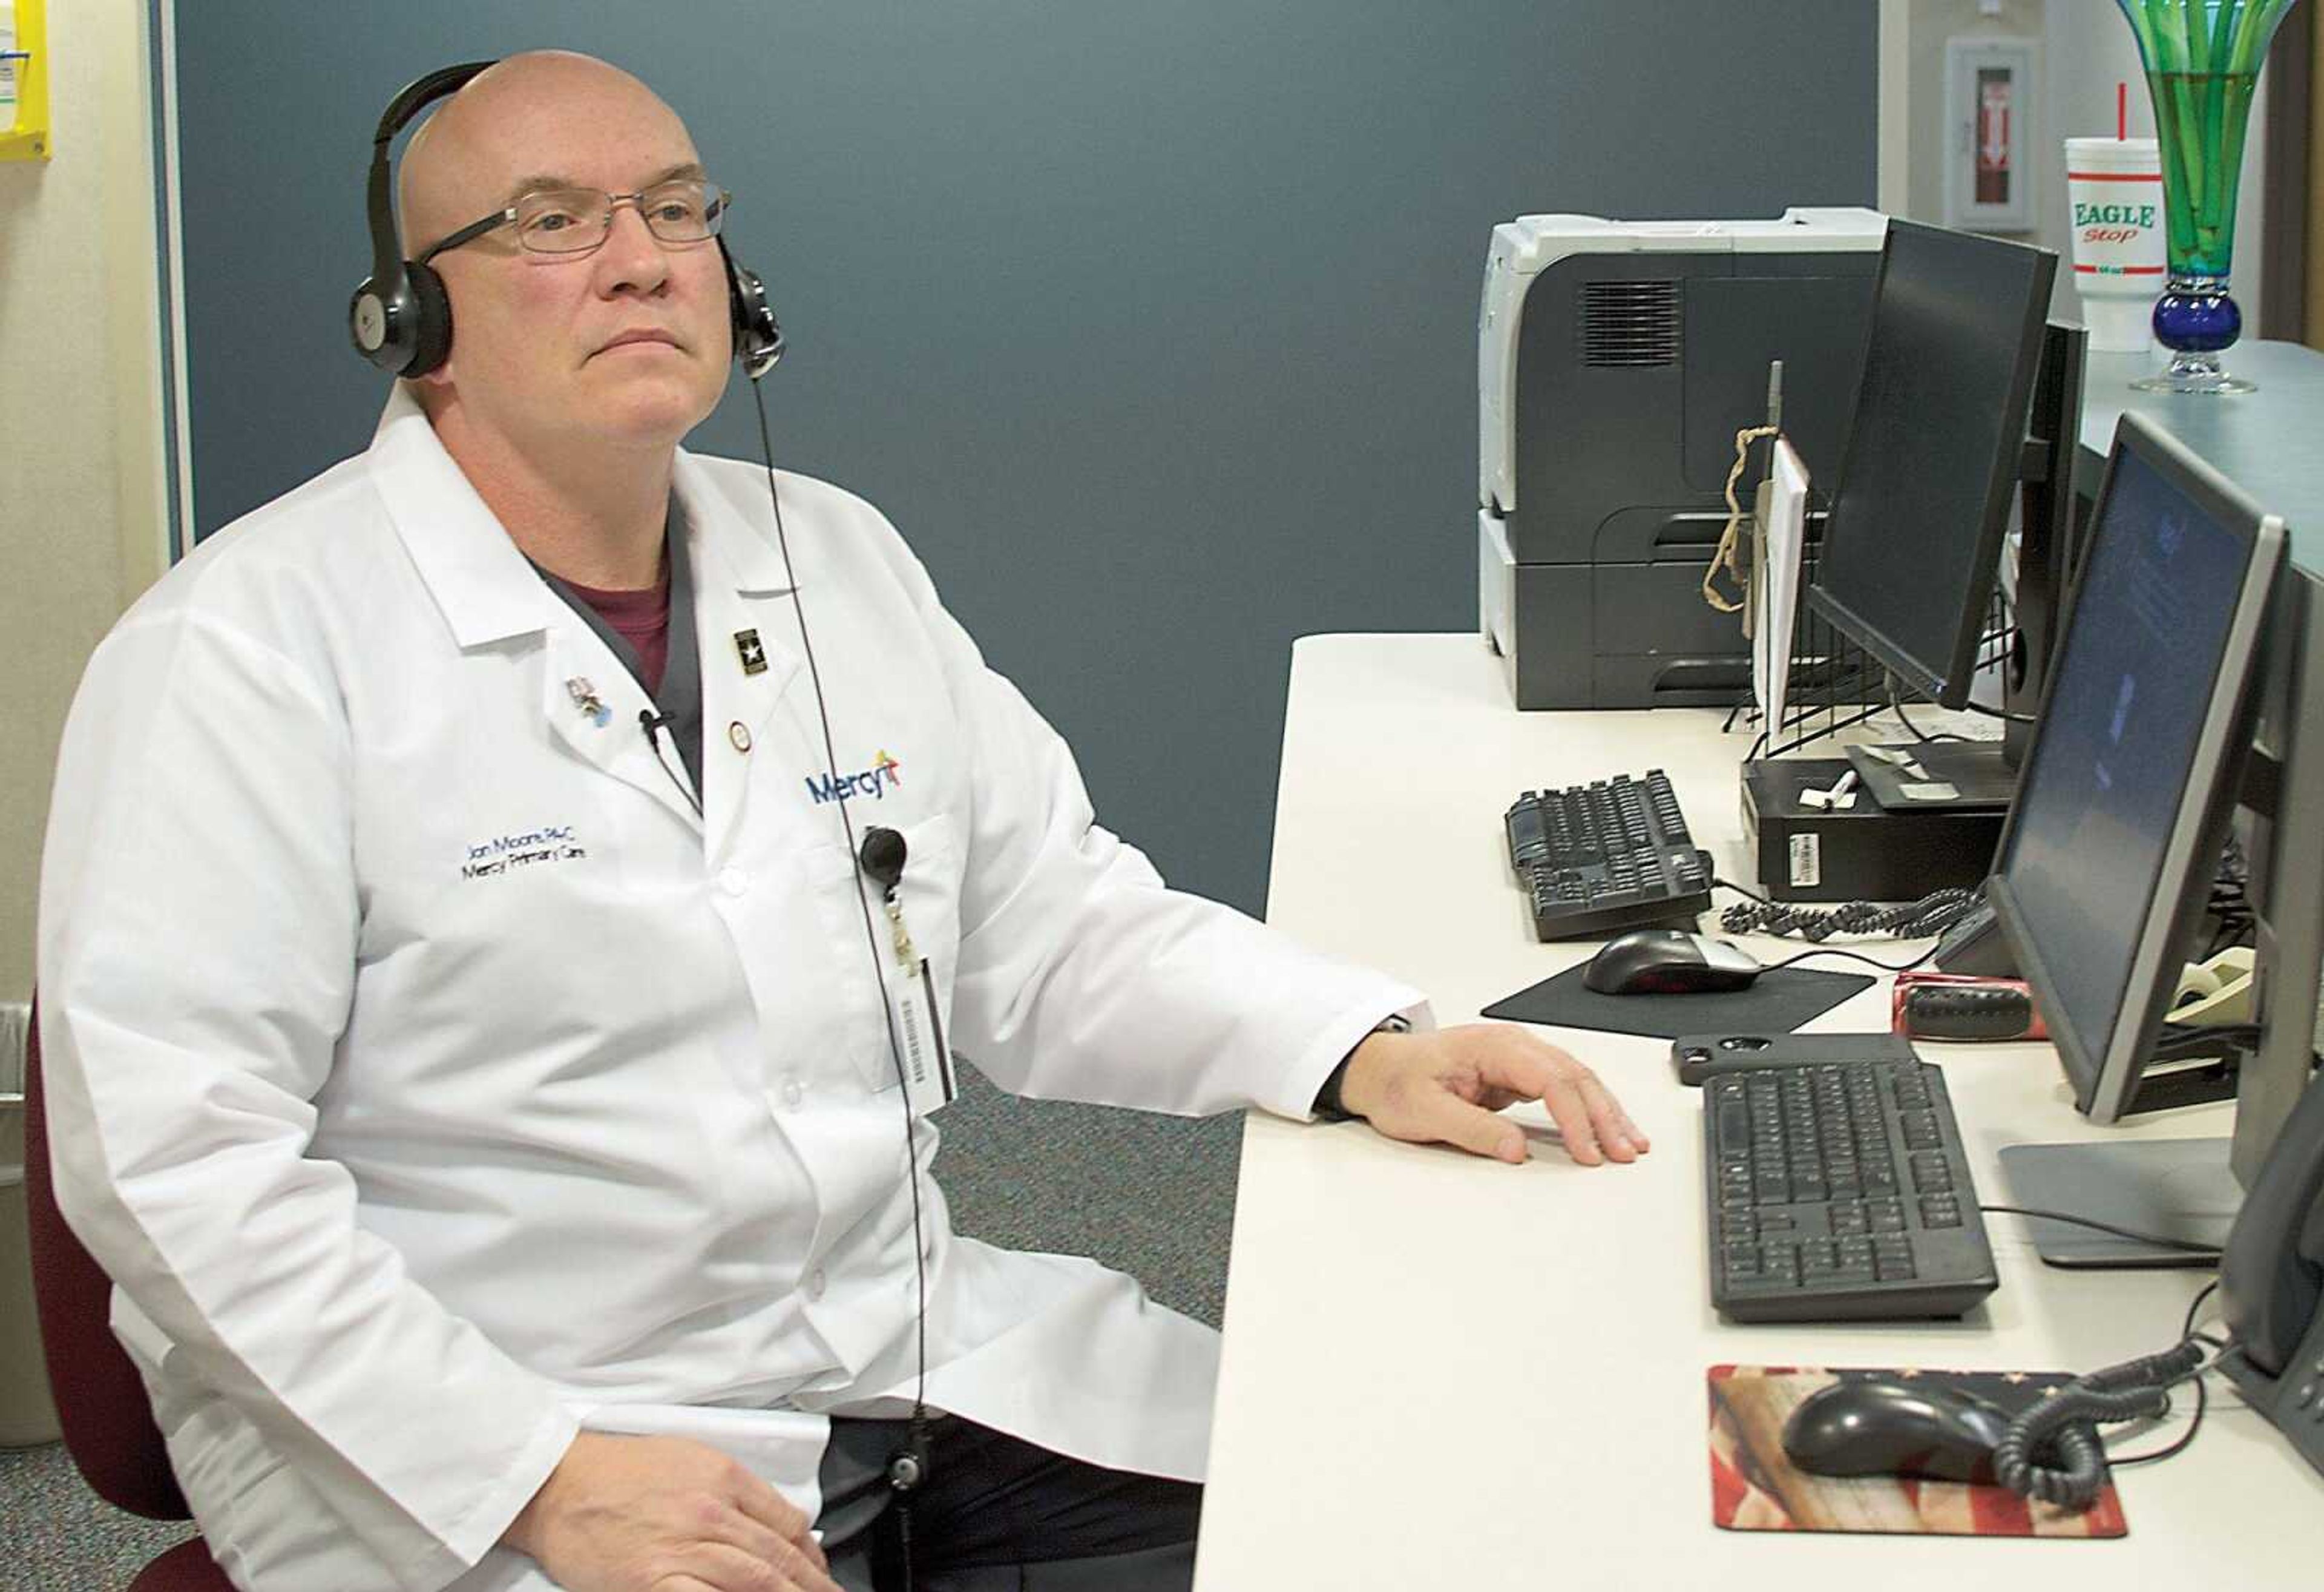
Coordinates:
[1444,1372]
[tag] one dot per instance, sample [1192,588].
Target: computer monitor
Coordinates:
[1913,540]
[2283,843]
[2047,537]
[2113,839]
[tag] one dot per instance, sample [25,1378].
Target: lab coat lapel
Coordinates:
[592,705]
[743,614]
[487,592]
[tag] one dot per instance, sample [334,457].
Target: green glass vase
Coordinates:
[2202,59]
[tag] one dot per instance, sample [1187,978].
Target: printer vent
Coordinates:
[1629,323]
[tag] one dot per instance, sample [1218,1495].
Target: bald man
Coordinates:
[466,1046]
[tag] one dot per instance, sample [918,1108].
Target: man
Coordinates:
[488,1111]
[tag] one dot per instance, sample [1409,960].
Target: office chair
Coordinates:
[100,1399]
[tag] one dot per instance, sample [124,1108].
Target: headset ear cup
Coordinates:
[431,321]
[758,336]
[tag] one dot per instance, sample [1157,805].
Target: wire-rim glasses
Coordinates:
[578,220]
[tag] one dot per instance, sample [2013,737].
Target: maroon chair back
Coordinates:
[100,1399]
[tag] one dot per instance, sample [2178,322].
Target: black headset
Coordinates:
[401,319]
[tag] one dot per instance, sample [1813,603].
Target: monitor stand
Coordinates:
[2174,1188]
[1963,776]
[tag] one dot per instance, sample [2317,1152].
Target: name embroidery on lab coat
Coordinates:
[503,854]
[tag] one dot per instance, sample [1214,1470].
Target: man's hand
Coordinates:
[1448,1085]
[665,1515]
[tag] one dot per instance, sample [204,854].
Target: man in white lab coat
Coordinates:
[468,1018]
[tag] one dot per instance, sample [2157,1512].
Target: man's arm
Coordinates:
[1081,976]
[198,916]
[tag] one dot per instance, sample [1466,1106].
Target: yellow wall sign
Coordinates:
[23,80]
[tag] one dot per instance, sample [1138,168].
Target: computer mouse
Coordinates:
[1668,961]
[1880,1428]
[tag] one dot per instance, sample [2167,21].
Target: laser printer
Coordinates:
[1616,360]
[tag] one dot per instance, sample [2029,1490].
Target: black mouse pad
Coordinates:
[1777,1002]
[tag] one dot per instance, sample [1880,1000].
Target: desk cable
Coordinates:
[2052,1451]
[1933,913]
[907,1467]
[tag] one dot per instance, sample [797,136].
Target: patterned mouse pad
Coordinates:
[1755,1488]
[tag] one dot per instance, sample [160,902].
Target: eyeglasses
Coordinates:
[577,220]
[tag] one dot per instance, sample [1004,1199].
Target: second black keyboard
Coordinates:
[1839,1191]
[1614,855]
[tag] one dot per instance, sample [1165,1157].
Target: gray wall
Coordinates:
[1152,326]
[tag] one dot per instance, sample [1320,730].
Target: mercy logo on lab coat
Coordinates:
[872,782]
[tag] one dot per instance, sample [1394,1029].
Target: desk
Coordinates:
[2264,441]
[1446,1373]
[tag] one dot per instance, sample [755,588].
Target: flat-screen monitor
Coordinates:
[2114,840]
[2123,804]
[2046,526]
[1913,540]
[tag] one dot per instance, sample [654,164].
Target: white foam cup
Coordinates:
[2116,188]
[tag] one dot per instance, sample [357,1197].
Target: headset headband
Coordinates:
[386,247]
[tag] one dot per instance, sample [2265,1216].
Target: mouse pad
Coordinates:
[1754,1487]
[1777,1002]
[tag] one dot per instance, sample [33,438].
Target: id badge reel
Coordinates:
[909,984]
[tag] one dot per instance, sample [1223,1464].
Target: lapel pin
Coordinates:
[754,655]
[585,698]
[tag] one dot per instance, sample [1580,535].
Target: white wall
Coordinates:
[1934,23]
[82,495]
[2085,49]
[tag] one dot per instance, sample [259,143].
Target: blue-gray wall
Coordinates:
[1151,325]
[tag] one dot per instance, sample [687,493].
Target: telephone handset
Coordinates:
[2271,1282]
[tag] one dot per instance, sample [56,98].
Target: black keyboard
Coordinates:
[1596,859]
[1839,1192]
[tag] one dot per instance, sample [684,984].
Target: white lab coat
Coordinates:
[434,1083]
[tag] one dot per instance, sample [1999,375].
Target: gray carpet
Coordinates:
[62,1537]
[1152,1195]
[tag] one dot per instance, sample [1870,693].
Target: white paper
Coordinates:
[7,68]
[1778,584]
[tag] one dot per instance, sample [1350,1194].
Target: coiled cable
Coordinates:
[2052,1451]
[1933,913]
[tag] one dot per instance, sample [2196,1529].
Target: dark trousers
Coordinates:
[996,1514]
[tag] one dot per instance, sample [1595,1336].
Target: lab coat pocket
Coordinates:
[917,935]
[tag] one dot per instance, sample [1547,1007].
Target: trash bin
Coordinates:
[27,1416]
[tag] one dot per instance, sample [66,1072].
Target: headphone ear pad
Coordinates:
[432,327]
[758,336]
